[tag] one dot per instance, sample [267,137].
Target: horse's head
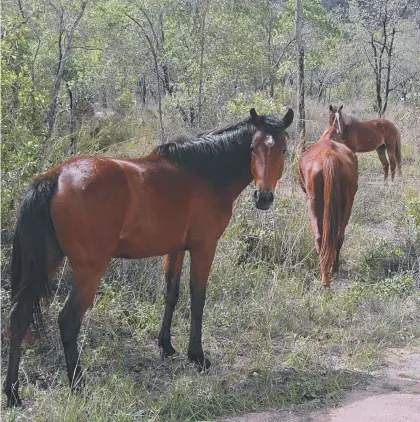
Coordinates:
[336,118]
[268,154]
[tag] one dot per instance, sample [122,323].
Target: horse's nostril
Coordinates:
[256,194]
[270,196]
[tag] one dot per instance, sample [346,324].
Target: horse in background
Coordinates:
[91,209]
[379,134]
[328,173]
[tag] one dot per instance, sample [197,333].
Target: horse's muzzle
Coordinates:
[263,199]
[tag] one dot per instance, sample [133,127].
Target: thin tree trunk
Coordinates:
[200,84]
[143,90]
[71,93]
[159,95]
[388,72]
[300,76]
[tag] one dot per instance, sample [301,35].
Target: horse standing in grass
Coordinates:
[380,135]
[178,198]
[328,173]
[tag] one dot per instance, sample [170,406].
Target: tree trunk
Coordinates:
[71,93]
[200,83]
[143,91]
[300,76]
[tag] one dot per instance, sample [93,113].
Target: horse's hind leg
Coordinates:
[173,268]
[20,318]
[392,162]
[19,322]
[316,223]
[382,156]
[85,285]
[346,213]
[69,320]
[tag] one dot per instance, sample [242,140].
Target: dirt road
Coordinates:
[394,396]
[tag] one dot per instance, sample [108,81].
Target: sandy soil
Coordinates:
[394,396]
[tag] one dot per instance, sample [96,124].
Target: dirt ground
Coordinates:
[393,396]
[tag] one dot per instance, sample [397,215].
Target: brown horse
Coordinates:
[178,198]
[380,135]
[328,173]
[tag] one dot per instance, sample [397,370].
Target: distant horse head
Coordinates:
[336,118]
[268,154]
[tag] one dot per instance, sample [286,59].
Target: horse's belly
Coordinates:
[368,145]
[154,236]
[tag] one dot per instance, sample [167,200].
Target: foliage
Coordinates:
[22,105]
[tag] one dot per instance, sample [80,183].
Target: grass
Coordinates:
[274,335]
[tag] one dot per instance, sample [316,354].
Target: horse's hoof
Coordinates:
[203,364]
[167,352]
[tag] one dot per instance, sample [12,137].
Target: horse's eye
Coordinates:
[284,151]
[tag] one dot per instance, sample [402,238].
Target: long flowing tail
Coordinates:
[34,237]
[398,154]
[332,215]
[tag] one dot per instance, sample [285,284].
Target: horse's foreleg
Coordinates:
[85,285]
[382,156]
[201,260]
[173,268]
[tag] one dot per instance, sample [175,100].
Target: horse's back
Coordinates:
[388,128]
[313,161]
[326,147]
[384,127]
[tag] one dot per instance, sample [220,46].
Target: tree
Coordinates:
[376,25]
[65,32]
[150,31]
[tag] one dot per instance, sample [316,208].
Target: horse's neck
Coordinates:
[236,186]
[350,128]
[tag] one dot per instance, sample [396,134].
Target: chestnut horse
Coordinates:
[178,198]
[380,135]
[328,173]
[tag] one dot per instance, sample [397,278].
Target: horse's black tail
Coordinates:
[34,238]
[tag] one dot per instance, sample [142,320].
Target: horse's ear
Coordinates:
[256,120]
[341,107]
[331,107]
[288,118]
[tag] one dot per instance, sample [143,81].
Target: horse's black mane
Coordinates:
[218,155]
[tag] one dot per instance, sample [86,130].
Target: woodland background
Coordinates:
[117,78]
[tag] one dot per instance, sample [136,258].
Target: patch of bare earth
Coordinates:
[393,396]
